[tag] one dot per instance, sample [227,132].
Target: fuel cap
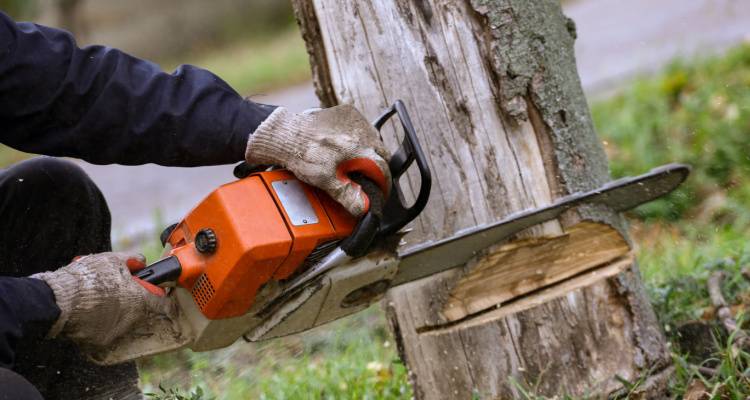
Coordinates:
[205,241]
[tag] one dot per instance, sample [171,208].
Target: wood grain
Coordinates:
[525,266]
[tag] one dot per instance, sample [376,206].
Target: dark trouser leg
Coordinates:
[50,212]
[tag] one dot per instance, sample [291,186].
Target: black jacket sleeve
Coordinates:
[27,309]
[104,106]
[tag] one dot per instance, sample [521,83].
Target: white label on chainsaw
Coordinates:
[295,203]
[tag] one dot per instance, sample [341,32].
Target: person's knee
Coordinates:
[49,172]
[57,183]
[51,211]
[15,387]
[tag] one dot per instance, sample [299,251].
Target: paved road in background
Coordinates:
[616,41]
[619,39]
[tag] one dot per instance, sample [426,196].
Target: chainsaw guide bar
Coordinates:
[619,195]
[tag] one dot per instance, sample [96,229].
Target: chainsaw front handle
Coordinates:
[387,216]
[396,214]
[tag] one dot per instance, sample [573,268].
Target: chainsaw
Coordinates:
[267,255]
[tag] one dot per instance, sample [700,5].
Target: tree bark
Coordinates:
[493,91]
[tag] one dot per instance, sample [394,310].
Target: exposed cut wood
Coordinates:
[527,265]
[565,288]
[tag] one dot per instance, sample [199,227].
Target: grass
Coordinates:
[679,260]
[351,358]
[696,113]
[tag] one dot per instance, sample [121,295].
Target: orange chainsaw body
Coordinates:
[265,226]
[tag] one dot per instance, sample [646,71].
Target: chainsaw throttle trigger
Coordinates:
[396,214]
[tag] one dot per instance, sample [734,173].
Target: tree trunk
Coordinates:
[492,89]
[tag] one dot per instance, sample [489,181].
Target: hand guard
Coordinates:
[321,148]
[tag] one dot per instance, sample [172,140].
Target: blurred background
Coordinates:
[173,32]
[667,80]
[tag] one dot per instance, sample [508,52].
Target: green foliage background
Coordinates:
[19,9]
[695,112]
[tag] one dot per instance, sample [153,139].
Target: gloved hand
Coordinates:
[321,148]
[101,302]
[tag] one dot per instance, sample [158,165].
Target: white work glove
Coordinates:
[321,148]
[101,302]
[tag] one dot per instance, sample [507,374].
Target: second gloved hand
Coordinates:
[100,302]
[321,147]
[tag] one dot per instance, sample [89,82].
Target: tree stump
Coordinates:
[493,91]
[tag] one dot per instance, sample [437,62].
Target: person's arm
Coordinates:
[104,106]
[27,308]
